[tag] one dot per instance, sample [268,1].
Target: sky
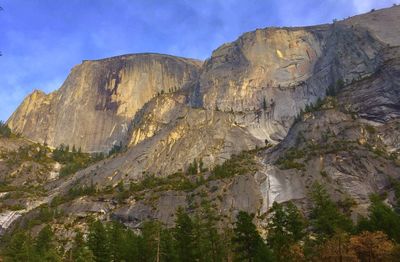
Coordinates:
[41,40]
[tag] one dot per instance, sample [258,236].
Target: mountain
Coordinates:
[98,100]
[258,122]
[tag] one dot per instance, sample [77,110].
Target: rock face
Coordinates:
[280,70]
[248,93]
[95,105]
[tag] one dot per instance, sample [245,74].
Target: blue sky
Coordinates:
[41,40]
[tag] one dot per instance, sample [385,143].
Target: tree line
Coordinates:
[327,233]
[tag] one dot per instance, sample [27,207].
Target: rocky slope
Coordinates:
[325,99]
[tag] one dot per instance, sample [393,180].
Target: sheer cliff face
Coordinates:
[274,73]
[94,107]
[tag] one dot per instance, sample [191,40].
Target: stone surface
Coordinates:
[95,105]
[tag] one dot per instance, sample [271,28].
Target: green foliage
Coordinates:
[80,252]
[249,246]
[33,152]
[210,245]
[84,190]
[200,236]
[196,167]
[381,218]
[294,158]
[5,131]
[19,248]
[117,148]
[185,236]
[325,217]
[237,165]
[328,102]
[45,246]
[287,161]
[22,247]
[286,227]
[98,242]
[396,188]
[177,181]
[74,160]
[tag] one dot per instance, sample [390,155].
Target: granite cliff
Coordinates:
[95,105]
[316,103]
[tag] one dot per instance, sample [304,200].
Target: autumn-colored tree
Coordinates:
[338,248]
[372,246]
[296,253]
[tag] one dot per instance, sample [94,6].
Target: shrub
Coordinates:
[5,131]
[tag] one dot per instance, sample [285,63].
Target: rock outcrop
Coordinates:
[95,105]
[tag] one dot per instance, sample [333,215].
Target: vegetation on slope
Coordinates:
[5,131]
[73,160]
[327,234]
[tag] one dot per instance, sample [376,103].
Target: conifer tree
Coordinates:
[98,242]
[326,218]
[285,228]
[79,251]
[44,246]
[381,218]
[20,248]
[249,246]
[184,236]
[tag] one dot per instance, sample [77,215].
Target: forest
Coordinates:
[326,233]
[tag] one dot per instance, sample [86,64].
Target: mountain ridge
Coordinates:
[266,115]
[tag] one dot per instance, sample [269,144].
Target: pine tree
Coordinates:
[265,105]
[151,231]
[326,218]
[167,246]
[381,218]
[211,244]
[20,248]
[184,236]
[44,246]
[285,228]
[249,245]
[98,242]
[79,251]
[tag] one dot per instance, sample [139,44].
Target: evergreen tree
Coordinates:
[265,105]
[249,245]
[5,131]
[167,246]
[79,251]
[381,218]
[98,242]
[285,228]
[151,232]
[19,248]
[129,246]
[325,217]
[44,246]
[184,236]
[210,246]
